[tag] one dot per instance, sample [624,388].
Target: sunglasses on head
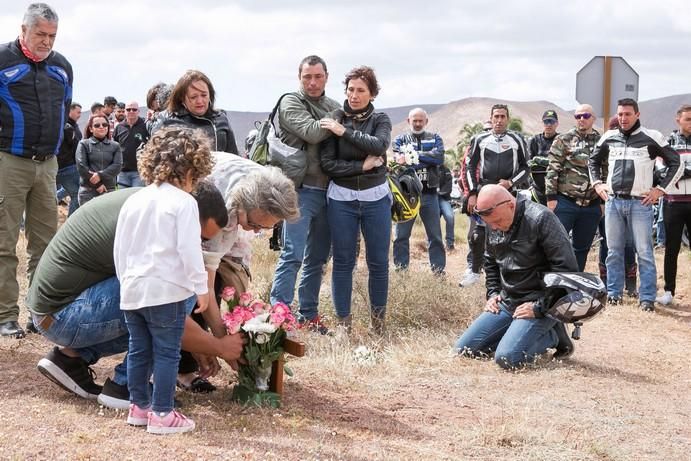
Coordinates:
[131,109]
[488,211]
[99,125]
[584,116]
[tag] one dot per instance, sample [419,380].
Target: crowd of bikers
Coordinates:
[533,207]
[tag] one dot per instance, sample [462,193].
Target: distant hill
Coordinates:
[448,119]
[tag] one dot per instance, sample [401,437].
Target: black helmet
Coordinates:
[406,189]
[574,297]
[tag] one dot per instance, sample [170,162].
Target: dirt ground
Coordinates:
[622,396]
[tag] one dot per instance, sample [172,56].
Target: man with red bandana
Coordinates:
[35,97]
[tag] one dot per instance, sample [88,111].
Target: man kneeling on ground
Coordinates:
[74,300]
[525,241]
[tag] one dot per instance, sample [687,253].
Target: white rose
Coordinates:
[259,324]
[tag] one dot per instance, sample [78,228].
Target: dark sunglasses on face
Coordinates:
[488,211]
[99,125]
[585,116]
[549,122]
[131,109]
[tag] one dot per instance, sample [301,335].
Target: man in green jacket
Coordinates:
[306,241]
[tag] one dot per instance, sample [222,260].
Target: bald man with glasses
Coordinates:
[567,184]
[524,241]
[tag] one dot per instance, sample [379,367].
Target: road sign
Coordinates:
[603,81]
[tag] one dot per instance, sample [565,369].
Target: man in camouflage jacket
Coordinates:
[567,183]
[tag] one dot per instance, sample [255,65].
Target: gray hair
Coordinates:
[37,11]
[269,190]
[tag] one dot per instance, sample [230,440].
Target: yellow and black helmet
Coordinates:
[406,189]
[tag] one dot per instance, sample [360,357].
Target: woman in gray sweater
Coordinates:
[99,160]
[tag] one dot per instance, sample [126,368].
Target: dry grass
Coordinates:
[621,397]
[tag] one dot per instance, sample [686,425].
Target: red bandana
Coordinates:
[28,52]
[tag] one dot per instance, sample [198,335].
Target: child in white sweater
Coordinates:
[158,260]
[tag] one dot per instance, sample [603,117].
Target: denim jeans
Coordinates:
[515,342]
[446,211]
[660,223]
[93,325]
[68,178]
[630,216]
[429,214]
[154,348]
[346,219]
[582,222]
[306,243]
[629,251]
[130,179]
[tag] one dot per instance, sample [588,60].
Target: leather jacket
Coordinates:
[516,260]
[342,156]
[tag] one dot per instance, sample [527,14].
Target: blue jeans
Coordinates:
[629,252]
[582,222]
[155,338]
[446,211]
[130,179]
[346,219]
[660,233]
[429,213]
[93,325]
[68,178]
[515,342]
[630,216]
[306,243]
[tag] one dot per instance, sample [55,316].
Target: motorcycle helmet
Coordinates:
[574,297]
[406,189]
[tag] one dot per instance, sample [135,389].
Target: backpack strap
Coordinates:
[274,111]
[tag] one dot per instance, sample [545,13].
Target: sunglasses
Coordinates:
[488,211]
[549,122]
[131,109]
[99,125]
[585,116]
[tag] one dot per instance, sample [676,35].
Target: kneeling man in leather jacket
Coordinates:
[524,241]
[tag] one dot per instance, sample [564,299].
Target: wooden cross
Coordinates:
[291,347]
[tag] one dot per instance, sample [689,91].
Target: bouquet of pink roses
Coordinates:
[266,328]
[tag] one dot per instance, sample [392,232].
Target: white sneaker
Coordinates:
[468,279]
[666,299]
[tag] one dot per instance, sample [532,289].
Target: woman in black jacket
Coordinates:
[98,159]
[192,104]
[359,198]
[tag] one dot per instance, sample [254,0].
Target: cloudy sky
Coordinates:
[423,51]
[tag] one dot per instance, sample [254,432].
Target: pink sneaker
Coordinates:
[138,416]
[172,423]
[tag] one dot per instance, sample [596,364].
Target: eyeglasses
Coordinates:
[99,125]
[131,109]
[488,211]
[257,227]
[549,121]
[584,116]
